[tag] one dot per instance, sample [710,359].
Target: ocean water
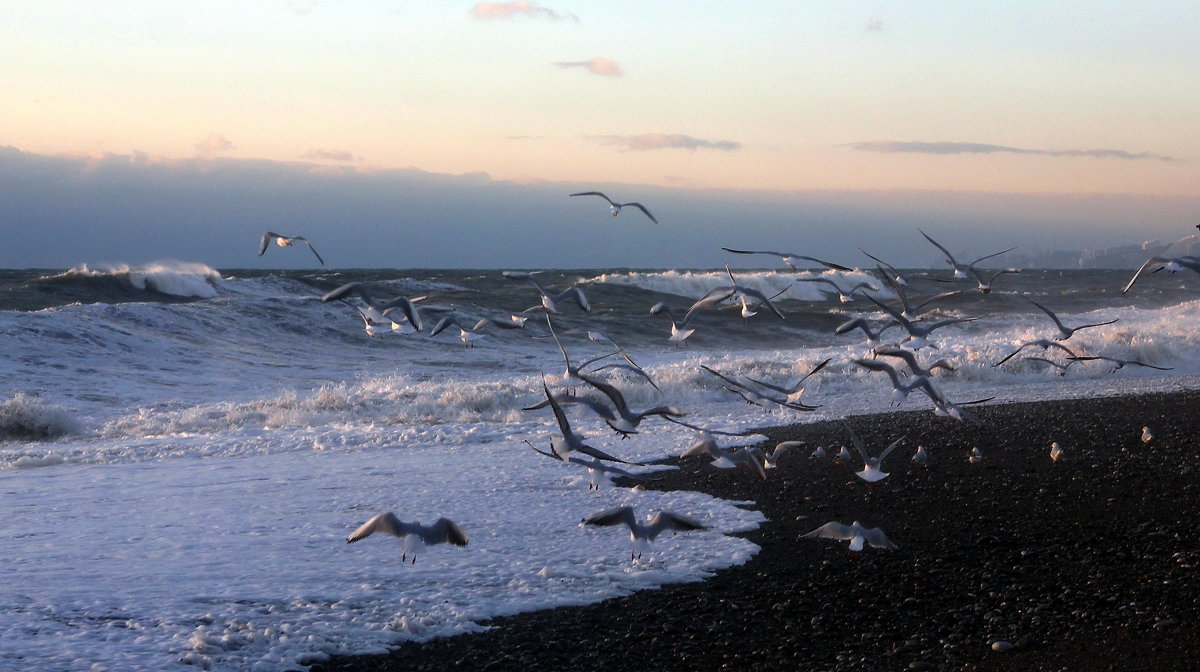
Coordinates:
[183,450]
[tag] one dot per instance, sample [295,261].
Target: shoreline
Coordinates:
[1090,564]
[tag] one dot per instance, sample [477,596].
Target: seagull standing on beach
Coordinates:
[921,456]
[416,536]
[858,536]
[643,533]
[1056,452]
[975,456]
[285,241]
[1147,436]
[614,207]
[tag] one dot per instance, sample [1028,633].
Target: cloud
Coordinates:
[894,147]
[487,11]
[597,66]
[328,155]
[650,141]
[875,26]
[215,142]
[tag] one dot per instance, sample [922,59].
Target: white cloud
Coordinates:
[215,142]
[328,155]
[894,147]
[650,141]
[486,11]
[597,66]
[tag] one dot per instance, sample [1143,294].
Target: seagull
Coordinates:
[550,301]
[721,294]
[790,258]
[643,533]
[596,469]
[1118,364]
[725,458]
[891,273]
[570,442]
[985,286]
[961,270]
[679,328]
[285,241]
[901,390]
[873,335]
[1059,368]
[614,207]
[921,456]
[918,334]
[795,391]
[620,418]
[843,295]
[858,535]
[771,460]
[914,367]
[871,472]
[1055,452]
[1147,436]
[818,453]
[906,307]
[376,311]
[975,456]
[757,397]
[843,455]
[1169,264]
[1042,343]
[1065,332]
[416,536]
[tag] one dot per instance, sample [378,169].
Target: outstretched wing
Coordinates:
[444,531]
[665,520]
[386,523]
[595,193]
[619,516]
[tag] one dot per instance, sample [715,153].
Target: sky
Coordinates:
[148,129]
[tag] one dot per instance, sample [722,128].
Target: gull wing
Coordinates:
[665,520]
[618,516]
[595,193]
[641,207]
[443,531]
[386,523]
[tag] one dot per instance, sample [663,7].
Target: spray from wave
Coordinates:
[177,278]
[25,417]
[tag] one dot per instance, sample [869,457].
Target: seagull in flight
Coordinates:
[643,533]
[858,535]
[726,458]
[376,311]
[285,241]
[416,536]
[1117,364]
[680,329]
[614,207]
[550,300]
[1065,332]
[961,270]
[1170,264]
[843,295]
[1043,343]
[570,442]
[790,258]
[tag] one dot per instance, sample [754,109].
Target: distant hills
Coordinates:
[1125,256]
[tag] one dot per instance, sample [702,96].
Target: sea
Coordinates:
[183,450]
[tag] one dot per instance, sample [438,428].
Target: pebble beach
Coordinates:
[1014,562]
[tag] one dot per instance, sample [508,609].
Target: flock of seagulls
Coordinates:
[907,375]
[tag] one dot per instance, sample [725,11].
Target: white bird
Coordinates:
[985,286]
[550,300]
[1147,436]
[1043,343]
[416,536]
[790,258]
[843,455]
[845,296]
[733,290]
[570,442]
[1117,364]
[643,533]
[794,392]
[818,453]
[872,472]
[895,276]
[725,458]
[961,270]
[680,330]
[1169,264]
[597,471]
[1065,332]
[620,417]
[921,456]
[918,333]
[757,397]
[858,535]
[614,207]
[901,390]
[285,241]
[1056,452]
[975,456]
[771,460]
[377,311]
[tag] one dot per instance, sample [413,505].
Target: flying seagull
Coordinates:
[1065,332]
[416,536]
[961,270]
[615,207]
[858,535]
[1169,264]
[643,533]
[790,258]
[285,241]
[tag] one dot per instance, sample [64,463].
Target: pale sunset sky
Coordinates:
[146,129]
